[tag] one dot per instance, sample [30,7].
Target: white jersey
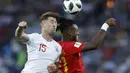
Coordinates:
[41,53]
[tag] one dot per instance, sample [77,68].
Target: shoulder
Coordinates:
[71,44]
[34,34]
[60,42]
[57,43]
[77,44]
[32,37]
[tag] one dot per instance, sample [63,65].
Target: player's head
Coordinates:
[69,29]
[48,22]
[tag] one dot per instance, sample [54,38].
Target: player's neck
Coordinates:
[64,39]
[46,36]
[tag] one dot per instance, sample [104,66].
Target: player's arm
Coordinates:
[53,68]
[99,37]
[19,33]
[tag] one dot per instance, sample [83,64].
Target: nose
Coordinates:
[55,24]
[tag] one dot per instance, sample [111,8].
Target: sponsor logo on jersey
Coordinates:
[77,44]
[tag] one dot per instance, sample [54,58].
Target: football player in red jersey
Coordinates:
[71,60]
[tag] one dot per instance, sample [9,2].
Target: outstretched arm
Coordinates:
[19,33]
[99,37]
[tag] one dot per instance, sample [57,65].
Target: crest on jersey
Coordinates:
[77,44]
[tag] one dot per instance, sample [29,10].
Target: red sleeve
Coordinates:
[72,47]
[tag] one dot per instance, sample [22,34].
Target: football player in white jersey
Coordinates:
[42,50]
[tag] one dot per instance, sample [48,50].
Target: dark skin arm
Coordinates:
[98,38]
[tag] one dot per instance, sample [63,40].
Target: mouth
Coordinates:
[54,29]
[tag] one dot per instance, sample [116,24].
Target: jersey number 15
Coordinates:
[42,48]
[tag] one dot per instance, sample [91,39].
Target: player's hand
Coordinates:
[52,68]
[111,22]
[22,24]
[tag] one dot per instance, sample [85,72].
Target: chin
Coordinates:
[52,32]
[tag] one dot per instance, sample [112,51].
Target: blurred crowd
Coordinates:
[113,56]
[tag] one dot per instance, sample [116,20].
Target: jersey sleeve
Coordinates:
[32,37]
[73,48]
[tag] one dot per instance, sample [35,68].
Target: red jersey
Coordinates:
[71,60]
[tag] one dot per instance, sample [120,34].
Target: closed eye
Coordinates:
[52,21]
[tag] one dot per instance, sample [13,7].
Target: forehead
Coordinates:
[51,18]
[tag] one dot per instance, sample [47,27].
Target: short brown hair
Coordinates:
[49,14]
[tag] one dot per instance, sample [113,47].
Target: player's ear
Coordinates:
[42,23]
[69,33]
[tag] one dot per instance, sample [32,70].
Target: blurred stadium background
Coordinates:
[113,56]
